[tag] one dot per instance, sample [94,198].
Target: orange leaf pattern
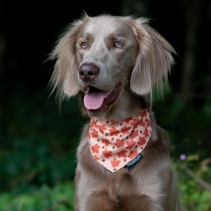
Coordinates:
[95,148]
[113,131]
[107,153]
[114,144]
[134,134]
[97,158]
[119,143]
[141,141]
[122,153]
[102,128]
[130,144]
[134,122]
[133,154]
[115,162]
[105,141]
[125,130]
[94,133]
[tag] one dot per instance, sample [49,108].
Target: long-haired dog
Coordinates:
[123,161]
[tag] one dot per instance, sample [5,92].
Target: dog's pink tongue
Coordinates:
[94,100]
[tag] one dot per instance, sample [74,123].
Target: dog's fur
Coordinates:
[125,50]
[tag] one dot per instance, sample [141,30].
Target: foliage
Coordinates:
[195,192]
[187,122]
[37,141]
[31,163]
[58,198]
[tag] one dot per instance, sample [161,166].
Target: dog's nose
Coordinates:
[88,72]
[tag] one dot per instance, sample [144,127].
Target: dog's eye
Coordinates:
[117,44]
[83,45]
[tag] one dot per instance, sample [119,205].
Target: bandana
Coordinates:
[115,144]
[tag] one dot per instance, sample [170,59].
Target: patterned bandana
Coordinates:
[115,144]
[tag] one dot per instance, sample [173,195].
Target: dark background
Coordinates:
[37,141]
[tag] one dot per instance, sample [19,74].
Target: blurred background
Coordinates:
[38,141]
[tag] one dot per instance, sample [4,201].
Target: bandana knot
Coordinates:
[115,144]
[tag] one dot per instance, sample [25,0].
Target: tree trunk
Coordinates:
[2,38]
[191,16]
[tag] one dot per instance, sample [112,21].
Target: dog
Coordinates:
[113,63]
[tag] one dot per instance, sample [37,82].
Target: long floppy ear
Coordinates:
[153,61]
[64,77]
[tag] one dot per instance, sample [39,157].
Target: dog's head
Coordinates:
[104,56]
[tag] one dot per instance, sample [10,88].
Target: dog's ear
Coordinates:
[64,77]
[153,61]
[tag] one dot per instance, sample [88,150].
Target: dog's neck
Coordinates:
[128,105]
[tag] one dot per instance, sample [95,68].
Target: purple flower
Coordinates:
[182,157]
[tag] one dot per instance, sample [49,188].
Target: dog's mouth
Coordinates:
[96,99]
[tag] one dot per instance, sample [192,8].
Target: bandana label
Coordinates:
[115,144]
[134,161]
